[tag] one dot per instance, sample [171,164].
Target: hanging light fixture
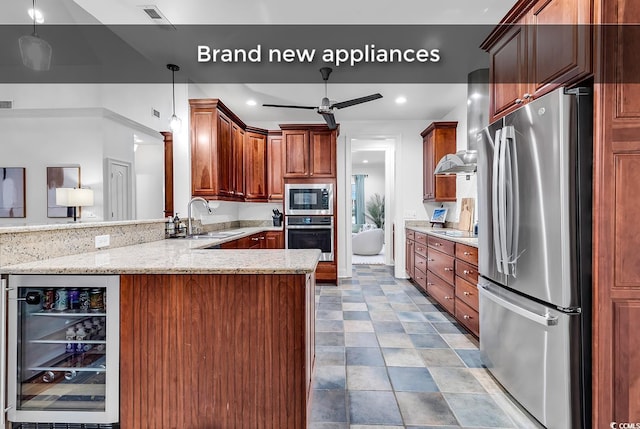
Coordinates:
[174,122]
[35,52]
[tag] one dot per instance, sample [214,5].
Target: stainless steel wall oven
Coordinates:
[310,232]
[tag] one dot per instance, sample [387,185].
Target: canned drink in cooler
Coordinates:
[96,300]
[74,299]
[48,300]
[62,299]
[83,299]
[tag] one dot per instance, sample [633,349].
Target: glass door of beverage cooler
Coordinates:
[63,349]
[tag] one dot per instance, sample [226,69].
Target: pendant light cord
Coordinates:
[33,10]
[173,89]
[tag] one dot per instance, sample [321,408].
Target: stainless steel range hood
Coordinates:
[464,161]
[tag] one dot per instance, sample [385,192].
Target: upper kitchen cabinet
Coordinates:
[275,166]
[217,141]
[309,151]
[255,168]
[438,140]
[539,46]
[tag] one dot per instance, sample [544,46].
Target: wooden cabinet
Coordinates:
[274,240]
[224,151]
[255,167]
[216,351]
[438,140]
[616,273]
[309,151]
[238,146]
[275,166]
[448,272]
[526,59]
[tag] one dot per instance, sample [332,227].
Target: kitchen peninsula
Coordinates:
[208,337]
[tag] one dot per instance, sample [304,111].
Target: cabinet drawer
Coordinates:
[421,238]
[467,292]
[441,292]
[421,249]
[441,265]
[467,253]
[468,317]
[467,272]
[420,278]
[445,246]
[420,262]
[410,234]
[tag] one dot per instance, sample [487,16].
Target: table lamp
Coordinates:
[74,197]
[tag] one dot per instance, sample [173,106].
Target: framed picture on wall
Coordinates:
[12,192]
[60,177]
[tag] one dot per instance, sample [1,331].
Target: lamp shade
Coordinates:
[74,197]
[35,52]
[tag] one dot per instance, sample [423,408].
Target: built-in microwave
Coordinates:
[308,199]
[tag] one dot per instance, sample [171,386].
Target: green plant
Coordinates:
[375,210]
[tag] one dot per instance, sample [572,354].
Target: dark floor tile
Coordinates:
[448,328]
[410,379]
[356,315]
[329,406]
[389,327]
[428,341]
[347,282]
[373,408]
[330,339]
[420,408]
[329,377]
[365,356]
[471,358]
[477,410]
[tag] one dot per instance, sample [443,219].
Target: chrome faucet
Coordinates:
[194,199]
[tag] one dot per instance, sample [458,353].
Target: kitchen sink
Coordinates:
[215,234]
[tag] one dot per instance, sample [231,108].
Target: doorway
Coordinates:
[371,185]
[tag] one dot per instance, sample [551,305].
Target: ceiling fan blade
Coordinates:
[355,101]
[290,107]
[330,120]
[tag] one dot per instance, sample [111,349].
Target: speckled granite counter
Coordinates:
[177,256]
[437,232]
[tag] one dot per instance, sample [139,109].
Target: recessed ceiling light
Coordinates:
[401,100]
[365,161]
[251,102]
[38,14]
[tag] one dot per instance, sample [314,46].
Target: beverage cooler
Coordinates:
[63,351]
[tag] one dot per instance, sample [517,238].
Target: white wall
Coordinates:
[149,189]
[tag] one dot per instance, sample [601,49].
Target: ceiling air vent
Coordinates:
[6,104]
[156,16]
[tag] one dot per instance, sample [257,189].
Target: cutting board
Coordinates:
[467,205]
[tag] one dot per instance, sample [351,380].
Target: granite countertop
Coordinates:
[451,234]
[178,256]
[10,229]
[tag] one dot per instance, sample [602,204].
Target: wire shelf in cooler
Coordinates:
[54,313]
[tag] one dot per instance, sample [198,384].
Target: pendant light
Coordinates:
[174,122]
[35,52]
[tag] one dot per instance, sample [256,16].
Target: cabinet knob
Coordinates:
[467,294]
[448,269]
[466,317]
[255,238]
[526,96]
[447,297]
[262,238]
[467,253]
[437,244]
[430,260]
[518,101]
[429,284]
[467,272]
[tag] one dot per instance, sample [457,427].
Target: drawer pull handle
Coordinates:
[447,297]
[429,284]
[448,269]
[430,260]
[467,272]
[437,244]
[467,293]
[255,239]
[468,253]
[466,317]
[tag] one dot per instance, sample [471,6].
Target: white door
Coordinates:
[119,190]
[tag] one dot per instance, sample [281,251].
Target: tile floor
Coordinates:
[387,357]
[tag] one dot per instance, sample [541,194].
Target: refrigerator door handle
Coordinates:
[502,202]
[3,353]
[512,202]
[541,319]
[495,186]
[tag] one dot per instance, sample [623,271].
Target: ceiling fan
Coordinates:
[326,108]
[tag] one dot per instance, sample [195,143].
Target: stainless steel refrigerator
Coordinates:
[534,211]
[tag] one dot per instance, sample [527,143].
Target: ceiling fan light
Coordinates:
[175,123]
[35,52]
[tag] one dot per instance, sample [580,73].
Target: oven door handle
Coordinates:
[309,227]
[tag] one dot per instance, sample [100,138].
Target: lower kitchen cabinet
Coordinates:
[216,351]
[448,272]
